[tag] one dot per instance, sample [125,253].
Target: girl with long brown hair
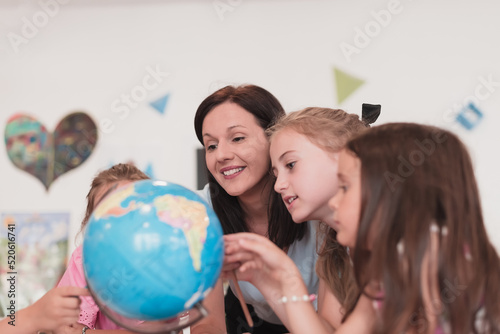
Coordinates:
[421,251]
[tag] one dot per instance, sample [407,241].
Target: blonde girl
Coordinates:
[304,148]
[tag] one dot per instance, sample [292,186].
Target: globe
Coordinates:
[152,251]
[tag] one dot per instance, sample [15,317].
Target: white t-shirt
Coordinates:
[304,255]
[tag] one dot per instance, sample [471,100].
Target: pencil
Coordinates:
[241,299]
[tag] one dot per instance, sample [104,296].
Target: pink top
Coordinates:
[90,315]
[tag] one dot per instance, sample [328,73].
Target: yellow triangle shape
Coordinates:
[346,84]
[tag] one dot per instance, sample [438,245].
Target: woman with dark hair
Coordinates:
[231,125]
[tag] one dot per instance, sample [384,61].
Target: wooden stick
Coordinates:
[241,299]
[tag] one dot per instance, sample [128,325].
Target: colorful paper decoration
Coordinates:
[346,84]
[47,155]
[469,116]
[161,103]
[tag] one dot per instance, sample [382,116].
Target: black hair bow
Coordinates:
[370,113]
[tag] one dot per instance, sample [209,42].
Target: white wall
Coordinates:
[428,58]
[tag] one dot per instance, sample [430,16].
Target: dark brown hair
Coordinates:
[266,108]
[416,179]
[119,172]
[328,129]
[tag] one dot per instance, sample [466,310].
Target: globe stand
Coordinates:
[164,326]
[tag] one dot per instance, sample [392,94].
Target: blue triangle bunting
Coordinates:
[149,171]
[160,104]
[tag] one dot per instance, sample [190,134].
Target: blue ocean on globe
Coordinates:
[151,250]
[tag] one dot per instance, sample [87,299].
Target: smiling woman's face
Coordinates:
[236,149]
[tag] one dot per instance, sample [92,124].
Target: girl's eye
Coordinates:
[237,139]
[290,165]
[343,187]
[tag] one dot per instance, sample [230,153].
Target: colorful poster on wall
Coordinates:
[34,248]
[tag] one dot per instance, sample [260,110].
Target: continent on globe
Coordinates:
[190,216]
[112,205]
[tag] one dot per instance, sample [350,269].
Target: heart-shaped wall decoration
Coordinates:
[48,155]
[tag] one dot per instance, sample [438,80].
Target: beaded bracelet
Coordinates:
[304,298]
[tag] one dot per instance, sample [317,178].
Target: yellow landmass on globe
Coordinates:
[111,205]
[190,216]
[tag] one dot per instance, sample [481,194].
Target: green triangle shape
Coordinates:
[346,84]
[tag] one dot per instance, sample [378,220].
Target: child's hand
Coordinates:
[75,328]
[258,261]
[58,307]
